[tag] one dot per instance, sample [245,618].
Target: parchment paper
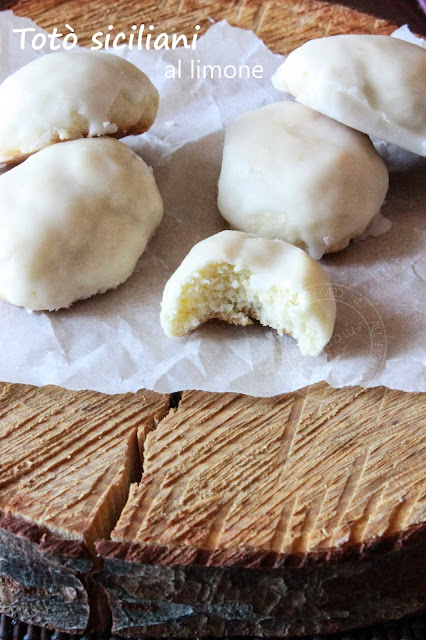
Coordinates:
[114,343]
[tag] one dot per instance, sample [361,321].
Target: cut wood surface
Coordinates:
[230,481]
[294,515]
[297,473]
[67,461]
[68,458]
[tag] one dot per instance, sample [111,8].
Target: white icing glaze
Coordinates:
[376,84]
[378,226]
[63,96]
[289,172]
[283,283]
[79,225]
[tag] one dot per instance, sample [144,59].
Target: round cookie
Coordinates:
[291,173]
[66,96]
[376,84]
[237,277]
[80,224]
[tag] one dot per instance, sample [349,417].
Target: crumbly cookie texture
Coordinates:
[66,96]
[291,173]
[375,84]
[80,224]
[238,277]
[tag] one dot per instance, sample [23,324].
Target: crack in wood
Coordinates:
[175,399]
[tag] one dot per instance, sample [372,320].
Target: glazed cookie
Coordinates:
[65,96]
[376,84]
[291,173]
[80,225]
[237,277]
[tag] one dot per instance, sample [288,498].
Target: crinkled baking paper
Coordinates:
[114,343]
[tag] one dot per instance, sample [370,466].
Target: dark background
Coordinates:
[411,12]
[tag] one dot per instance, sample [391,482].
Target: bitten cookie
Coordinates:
[65,96]
[80,224]
[289,172]
[376,84]
[237,277]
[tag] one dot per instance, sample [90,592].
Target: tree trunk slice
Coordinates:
[67,461]
[292,474]
[321,528]
[274,516]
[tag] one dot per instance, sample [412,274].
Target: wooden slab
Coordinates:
[68,458]
[67,461]
[297,473]
[234,487]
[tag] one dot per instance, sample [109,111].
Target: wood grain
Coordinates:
[67,461]
[68,458]
[295,515]
[282,24]
[297,473]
